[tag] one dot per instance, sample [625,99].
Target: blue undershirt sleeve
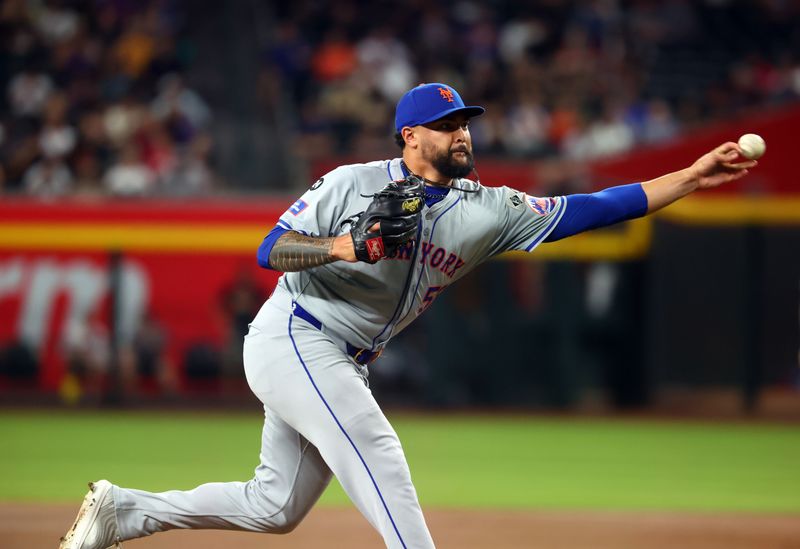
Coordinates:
[266,246]
[590,211]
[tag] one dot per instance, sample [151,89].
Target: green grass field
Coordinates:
[456,461]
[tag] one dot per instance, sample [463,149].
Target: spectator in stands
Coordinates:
[88,174]
[239,301]
[193,174]
[180,108]
[659,123]
[144,361]
[384,62]
[130,176]
[335,58]
[136,47]
[122,120]
[57,138]
[601,137]
[48,178]
[55,22]
[28,92]
[94,139]
[157,149]
[87,352]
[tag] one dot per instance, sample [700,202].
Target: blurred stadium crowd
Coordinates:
[584,79]
[98,96]
[180,98]
[95,103]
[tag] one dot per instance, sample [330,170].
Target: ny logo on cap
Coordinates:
[446,94]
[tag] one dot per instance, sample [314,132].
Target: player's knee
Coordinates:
[284,523]
[280,521]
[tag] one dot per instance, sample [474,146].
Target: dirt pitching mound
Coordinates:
[23,526]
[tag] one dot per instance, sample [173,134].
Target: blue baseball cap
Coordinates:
[429,102]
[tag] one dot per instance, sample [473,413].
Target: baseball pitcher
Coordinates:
[365,251]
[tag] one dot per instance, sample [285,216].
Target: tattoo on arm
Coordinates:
[296,252]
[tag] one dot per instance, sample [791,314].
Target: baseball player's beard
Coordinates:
[451,167]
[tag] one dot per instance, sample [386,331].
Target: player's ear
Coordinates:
[410,137]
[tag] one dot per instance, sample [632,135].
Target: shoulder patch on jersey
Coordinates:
[515,200]
[317,184]
[540,206]
[298,207]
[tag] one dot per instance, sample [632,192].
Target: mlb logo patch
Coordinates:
[540,206]
[298,207]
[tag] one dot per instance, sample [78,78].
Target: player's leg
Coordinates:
[330,404]
[379,482]
[287,483]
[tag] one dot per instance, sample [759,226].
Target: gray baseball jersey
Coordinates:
[367,304]
[320,417]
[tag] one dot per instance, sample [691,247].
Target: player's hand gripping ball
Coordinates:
[752,145]
[396,209]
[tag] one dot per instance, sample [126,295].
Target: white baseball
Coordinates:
[752,146]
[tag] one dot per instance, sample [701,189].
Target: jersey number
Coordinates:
[430,295]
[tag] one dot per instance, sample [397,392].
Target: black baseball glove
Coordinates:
[397,209]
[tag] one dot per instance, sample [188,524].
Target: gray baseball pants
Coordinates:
[320,419]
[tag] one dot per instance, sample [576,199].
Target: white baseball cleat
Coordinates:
[96,524]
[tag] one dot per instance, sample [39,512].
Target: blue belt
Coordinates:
[362,356]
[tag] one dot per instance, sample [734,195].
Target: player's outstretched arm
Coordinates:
[710,170]
[590,211]
[296,252]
